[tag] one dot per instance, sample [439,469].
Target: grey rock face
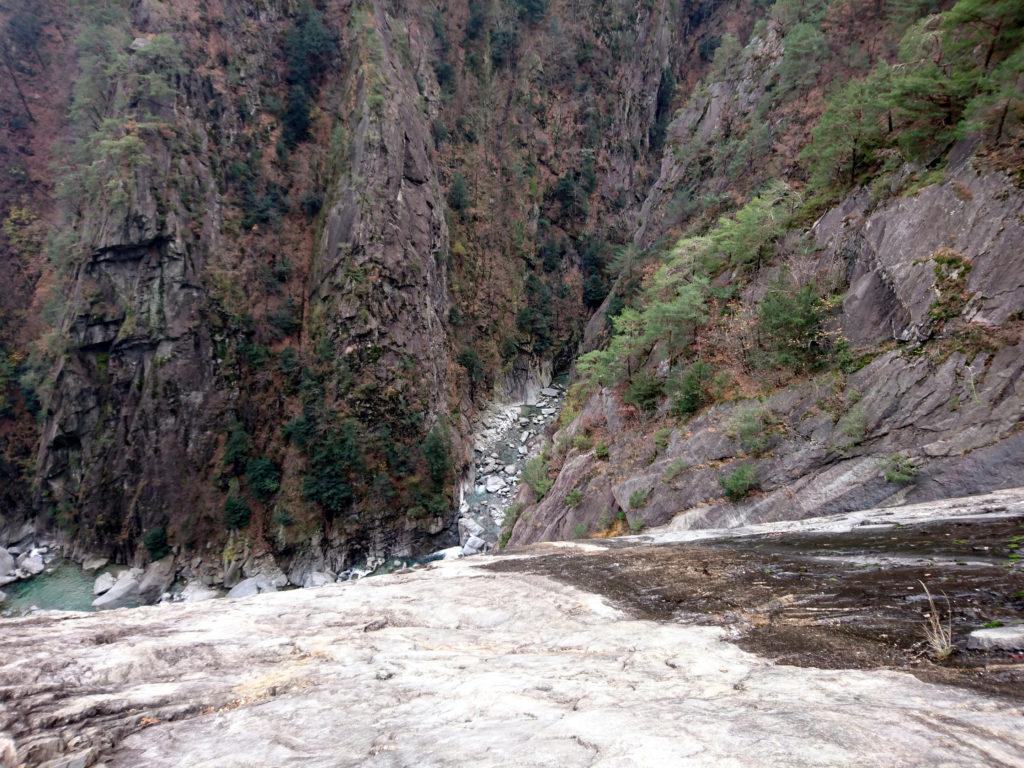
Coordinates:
[318,579]
[156,580]
[997,639]
[31,563]
[891,254]
[7,562]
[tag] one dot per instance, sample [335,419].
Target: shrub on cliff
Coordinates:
[535,475]
[155,542]
[237,513]
[738,483]
[263,477]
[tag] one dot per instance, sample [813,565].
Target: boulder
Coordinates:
[197,592]
[997,639]
[549,392]
[103,583]
[474,545]
[252,586]
[494,484]
[123,594]
[7,562]
[468,528]
[156,580]
[91,564]
[318,579]
[31,563]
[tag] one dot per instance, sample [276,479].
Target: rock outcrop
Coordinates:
[380,671]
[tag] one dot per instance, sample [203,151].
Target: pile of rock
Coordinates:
[506,439]
[19,562]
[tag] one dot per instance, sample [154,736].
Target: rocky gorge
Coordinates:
[662,363]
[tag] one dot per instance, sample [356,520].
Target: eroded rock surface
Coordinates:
[381,672]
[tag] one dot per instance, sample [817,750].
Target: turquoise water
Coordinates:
[68,588]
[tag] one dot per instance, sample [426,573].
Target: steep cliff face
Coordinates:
[291,249]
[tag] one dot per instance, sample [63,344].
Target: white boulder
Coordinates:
[196,592]
[252,586]
[997,639]
[123,594]
[103,583]
[31,562]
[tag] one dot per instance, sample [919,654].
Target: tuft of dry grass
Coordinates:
[939,637]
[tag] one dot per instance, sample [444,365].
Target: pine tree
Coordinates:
[991,28]
[852,128]
[998,110]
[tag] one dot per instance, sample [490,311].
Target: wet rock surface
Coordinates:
[381,673]
[842,593]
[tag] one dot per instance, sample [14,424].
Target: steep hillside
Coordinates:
[822,306]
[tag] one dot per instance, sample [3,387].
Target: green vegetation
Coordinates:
[237,513]
[638,498]
[636,524]
[236,449]
[692,390]
[334,461]
[438,455]
[155,542]
[579,531]
[739,482]
[458,194]
[899,469]
[673,470]
[535,475]
[673,299]
[644,392]
[951,274]
[573,498]
[956,75]
[601,451]
[754,426]
[309,47]
[512,515]
[263,477]
[661,438]
[582,442]
[789,324]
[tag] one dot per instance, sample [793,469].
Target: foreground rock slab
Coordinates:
[390,672]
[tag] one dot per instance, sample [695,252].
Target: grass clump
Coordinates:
[535,475]
[573,498]
[638,498]
[899,469]
[672,470]
[938,636]
[601,450]
[739,483]
[754,427]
